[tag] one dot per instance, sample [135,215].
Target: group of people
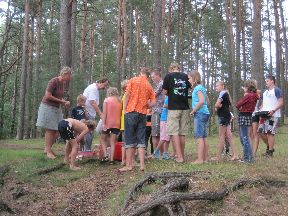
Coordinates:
[167,99]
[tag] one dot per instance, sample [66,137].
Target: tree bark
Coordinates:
[29,109]
[83,42]
[257,55]
[21,110]
[157,35]
[65,33]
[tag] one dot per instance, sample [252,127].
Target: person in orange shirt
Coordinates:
[139,96]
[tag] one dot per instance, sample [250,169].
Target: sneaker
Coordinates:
[156,154]
[270,153]
[165,156]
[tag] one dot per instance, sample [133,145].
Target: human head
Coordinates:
[81,99]
[156,75]
[220,86]
[102,83]
[250,86]
[145,71]
[90,124]
[270,81]
[124,85]
[112,91]
[194,78]
[66,73]
[174,67]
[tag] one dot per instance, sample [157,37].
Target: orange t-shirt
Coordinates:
[113,112]
[140,92]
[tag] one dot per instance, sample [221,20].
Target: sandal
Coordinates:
[104,160]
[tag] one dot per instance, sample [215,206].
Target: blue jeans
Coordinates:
[88,138]
[200,125]
[135,130]
[245,141]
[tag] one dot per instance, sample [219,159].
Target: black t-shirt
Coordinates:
[78,113]
[224,111]
[177,85]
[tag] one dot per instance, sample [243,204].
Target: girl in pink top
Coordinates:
[112,108]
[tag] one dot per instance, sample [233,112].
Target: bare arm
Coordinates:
[82,134]
[48,95]
[96,108]
[126,99]
[104,114]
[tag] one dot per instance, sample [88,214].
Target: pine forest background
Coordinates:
[229,40]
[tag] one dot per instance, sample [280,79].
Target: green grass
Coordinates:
[26,158]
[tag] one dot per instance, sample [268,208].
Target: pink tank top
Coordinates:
[114,109]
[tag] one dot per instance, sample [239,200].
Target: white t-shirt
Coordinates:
[270,100]
[92,94]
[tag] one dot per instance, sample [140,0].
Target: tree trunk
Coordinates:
[231,46]
[256,67]
[92,50]
[285,71]
[269,38]
[29,109]
[65,33]
[83,43]
[277,43]
[20,125]
[138,38]
[157,35]
[37,68]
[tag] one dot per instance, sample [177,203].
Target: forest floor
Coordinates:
[99,189]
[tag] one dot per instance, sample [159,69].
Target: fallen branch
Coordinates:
[153,177]
[170,198]
[51,169]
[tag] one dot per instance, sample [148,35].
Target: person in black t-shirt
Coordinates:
[79,112]
[176,86]
[222,106]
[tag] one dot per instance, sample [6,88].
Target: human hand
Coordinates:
[67,104]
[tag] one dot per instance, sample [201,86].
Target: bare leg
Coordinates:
[222,134]
[123,156]
[50,137]
[68,150]
[141,152]
[178,148]
[271,141]
[130,153]
[155,141]
[182,145]
[232,144]
[74,151]
[255,137]
[206,149]
[103,144]
[112,145]
[200,151]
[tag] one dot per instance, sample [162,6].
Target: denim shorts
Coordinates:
[200,125]
[135,130]
[222,121]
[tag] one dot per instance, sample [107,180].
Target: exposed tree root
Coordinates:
[51,169]
[167,200]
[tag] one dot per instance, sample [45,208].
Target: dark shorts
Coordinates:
[66,130]
[135,130]
[222,121]
[255,118]
[115,131]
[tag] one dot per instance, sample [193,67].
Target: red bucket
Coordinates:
[118,151]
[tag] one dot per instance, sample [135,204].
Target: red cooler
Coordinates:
[118,151]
